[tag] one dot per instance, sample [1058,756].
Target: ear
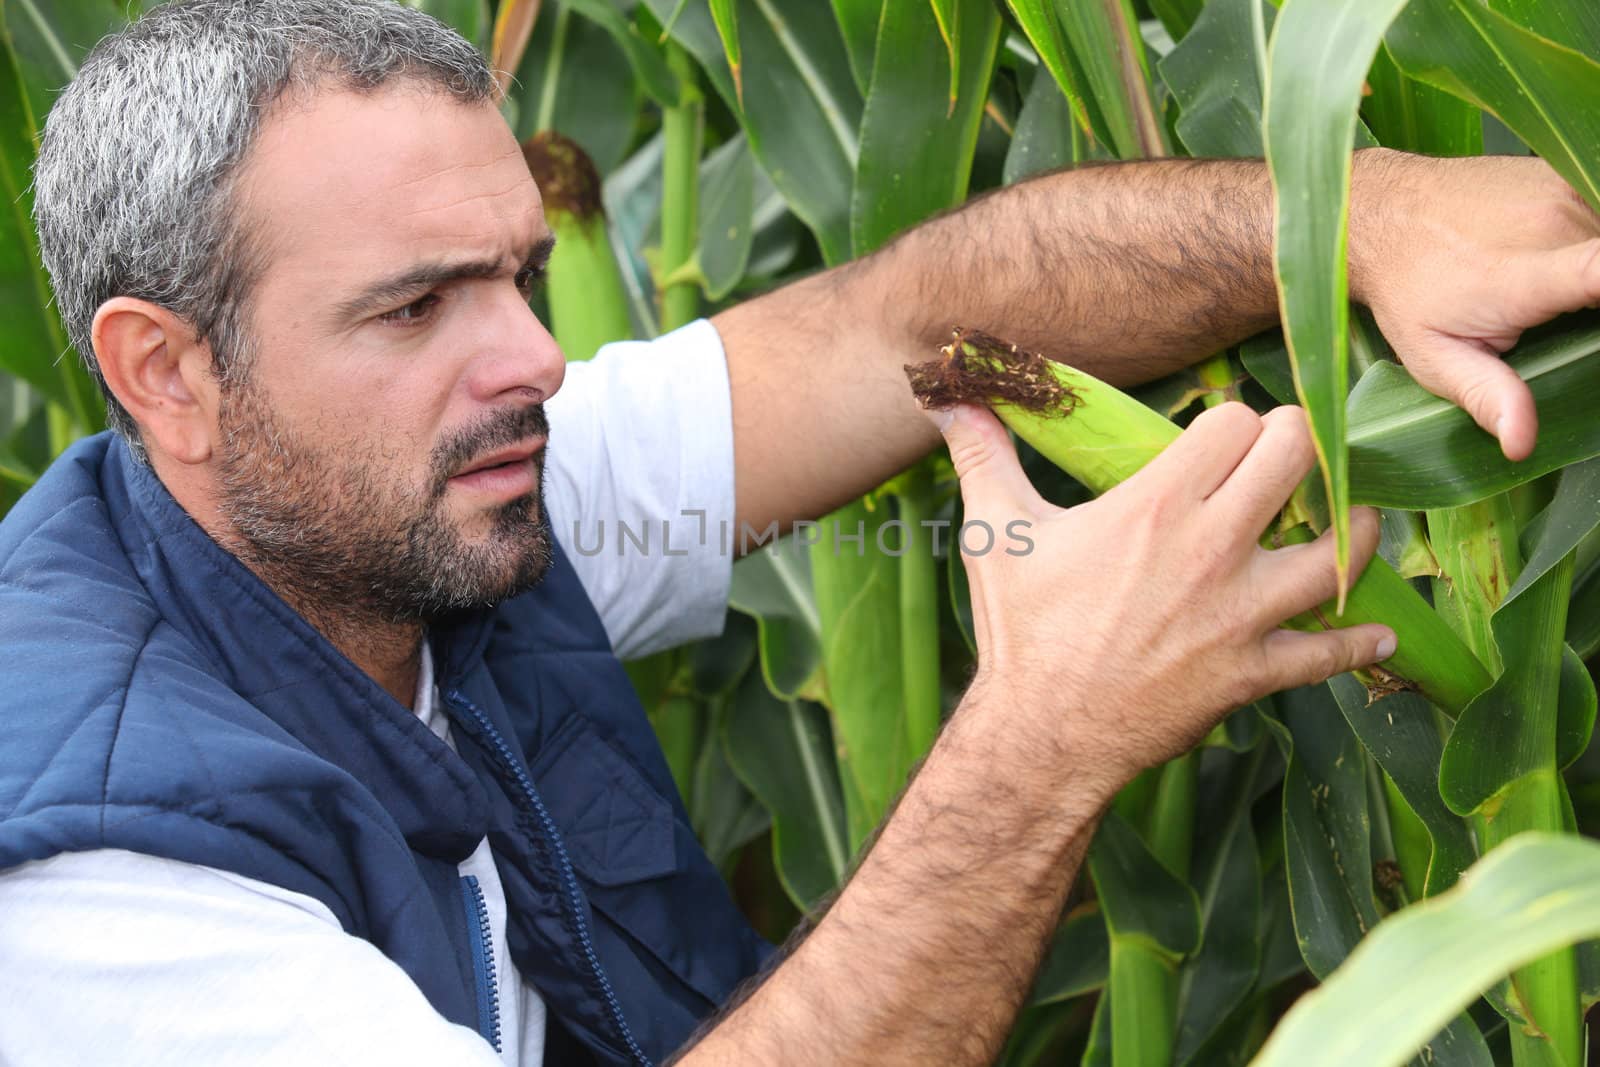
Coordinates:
[161,372]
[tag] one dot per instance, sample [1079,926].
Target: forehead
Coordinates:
[342,183]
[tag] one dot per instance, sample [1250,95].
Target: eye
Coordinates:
[418,310]
[528,279]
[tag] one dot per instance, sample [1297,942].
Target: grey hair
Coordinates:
[134,180]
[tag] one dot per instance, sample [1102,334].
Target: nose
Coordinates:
[515,356]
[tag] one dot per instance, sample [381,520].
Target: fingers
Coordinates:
[1544,284]
[1296,659]
[1207,452]
[1300,577]
[992,479]
[1480,383]
[1536,286]
[1277,462]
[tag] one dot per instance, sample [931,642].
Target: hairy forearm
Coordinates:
[1129,271]
[927,954]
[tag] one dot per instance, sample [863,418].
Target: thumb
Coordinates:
[985,459]
[1474,377]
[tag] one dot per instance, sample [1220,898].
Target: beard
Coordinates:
[342,536]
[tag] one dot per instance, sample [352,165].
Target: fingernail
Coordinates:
[1500,427]
[1387,646]
[940,417]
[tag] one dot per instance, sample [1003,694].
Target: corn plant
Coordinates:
[693,152]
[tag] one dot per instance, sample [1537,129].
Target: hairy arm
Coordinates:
[926,957]
[1131,271]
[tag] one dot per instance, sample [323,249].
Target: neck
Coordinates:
[389,652]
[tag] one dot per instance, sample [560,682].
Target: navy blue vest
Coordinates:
[158,697]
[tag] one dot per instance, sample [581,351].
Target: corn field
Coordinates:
[1304,888]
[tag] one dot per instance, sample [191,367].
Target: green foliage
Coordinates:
[1318,61]
[1534,895]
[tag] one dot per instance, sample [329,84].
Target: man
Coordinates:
[314,746]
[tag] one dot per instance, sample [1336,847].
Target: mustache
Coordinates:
[496,430]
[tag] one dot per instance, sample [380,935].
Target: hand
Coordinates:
[1139,619]
[1456,257]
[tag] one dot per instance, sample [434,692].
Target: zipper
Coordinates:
[574,897]
[482,938]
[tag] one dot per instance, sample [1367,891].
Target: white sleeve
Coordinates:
[116,957]
[639,486]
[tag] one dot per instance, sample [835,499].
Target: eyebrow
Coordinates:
[421,277]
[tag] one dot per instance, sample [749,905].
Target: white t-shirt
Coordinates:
[117,957]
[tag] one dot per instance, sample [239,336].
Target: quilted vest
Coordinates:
[159,698]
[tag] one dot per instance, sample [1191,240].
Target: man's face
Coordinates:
[386,450]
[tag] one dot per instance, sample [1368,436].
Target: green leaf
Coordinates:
[1576,708]
[575,79]
[725,815]
[916,497]
[1401,731]
[773,585]
[724,13]
[916,153]
[727,216]
[33,345]
[1409,115]
[1511,730]
[1213,75]
[961,595]
[1219,978]
[1535,894]
[801,108]
[717,664]
[1572,516]
[1038,20]
[1045,136]
[1179,16]
[1078,960]
[1097,1053]
[783,752]
[1266,357]
[1327,851]
[51,38]
[1502,760]
[1143,902]
[1410,449]
[680,727]
[1153,919]
[1538,88]
[1574,23]
[858,25]
[1583,615]
[1104,35]
[1317,62]
[858,602]
[648,61]
[14,471]
[948,15]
